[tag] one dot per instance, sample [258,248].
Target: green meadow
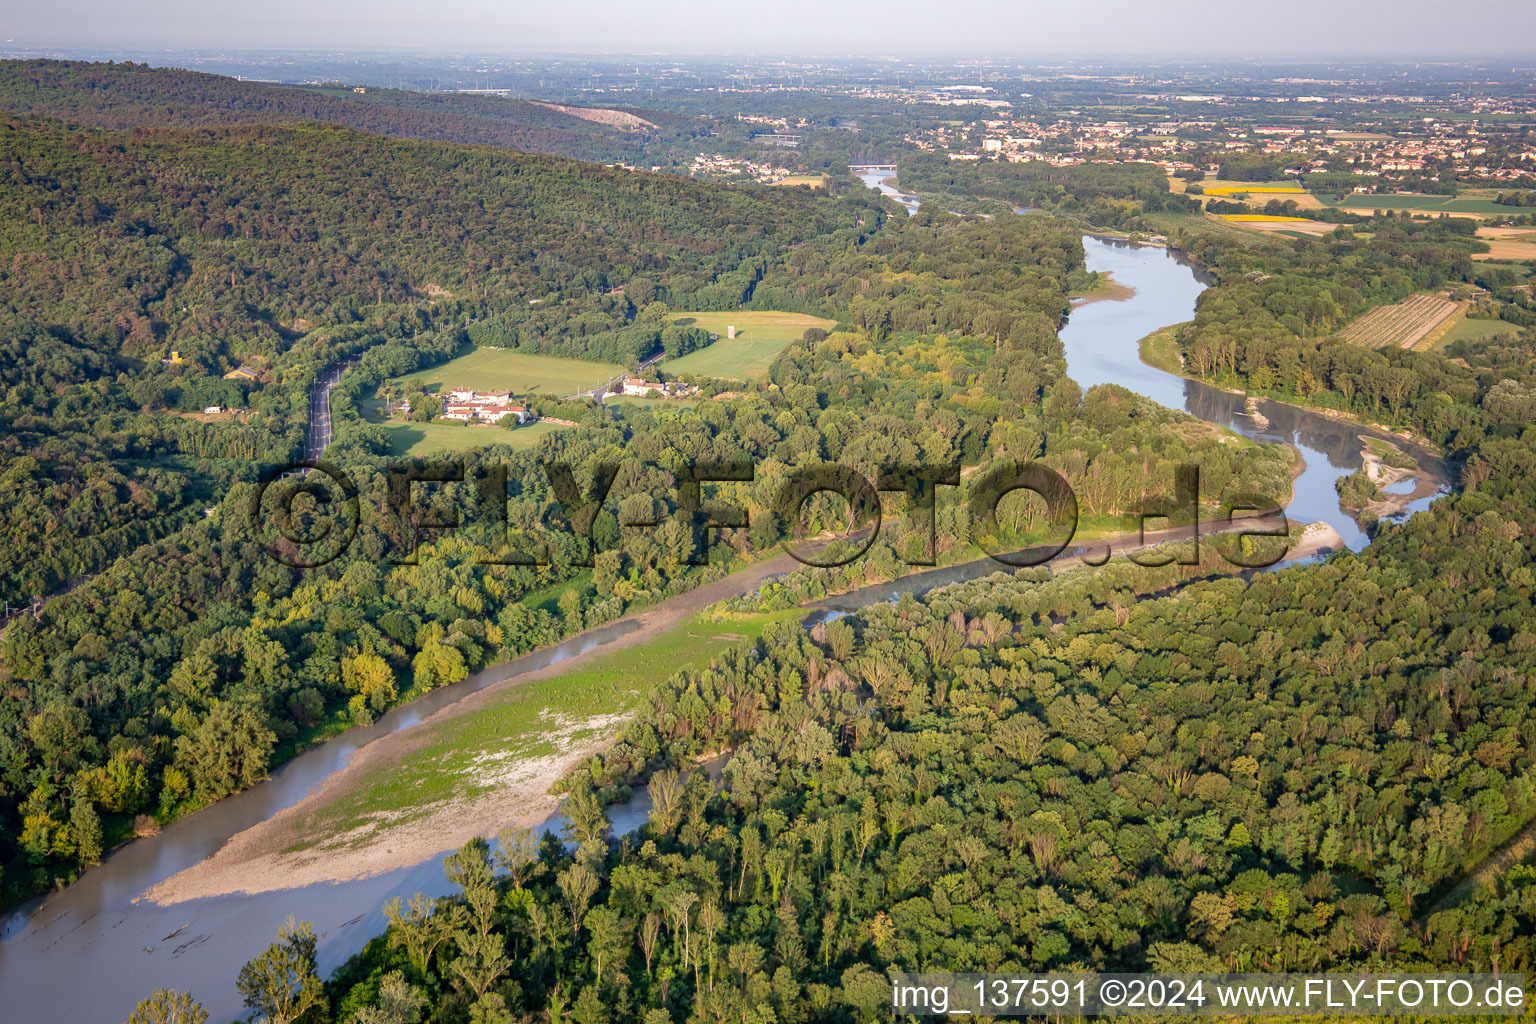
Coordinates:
[760,336]
[1485,207]
[491,369]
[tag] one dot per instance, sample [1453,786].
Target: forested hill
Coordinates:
[287,247]
[128,95]
[218,241]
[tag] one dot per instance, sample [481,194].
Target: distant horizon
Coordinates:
[14,50]
[1306,30]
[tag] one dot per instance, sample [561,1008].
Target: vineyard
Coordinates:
[1402,323]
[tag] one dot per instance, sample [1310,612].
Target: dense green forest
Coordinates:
[1124,768]
[196,660]
[1019,774]
[1117,769]
[1270,327]
[1101,194]
[129,95]
[124,247]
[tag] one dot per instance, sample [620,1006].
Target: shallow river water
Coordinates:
[88,954]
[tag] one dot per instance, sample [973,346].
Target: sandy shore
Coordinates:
[1108,291]
[262,858]
[1316,539]
[254,860]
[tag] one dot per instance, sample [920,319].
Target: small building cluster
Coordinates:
[489,406]
[651,389]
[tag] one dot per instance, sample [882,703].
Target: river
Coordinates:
[879,176]
[89,953]
[1100,341]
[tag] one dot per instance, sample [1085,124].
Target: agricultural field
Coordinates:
[1253,193]
[1401,324]
[1296,227]
[760,336]
[1167,223]
[408,440]
[488,369]
[1508,243]
[1460,206]
[1465,329]
[814,180]
[1254,188]
[1264,218]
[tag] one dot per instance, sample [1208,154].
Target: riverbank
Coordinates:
[516,791]
[1316,540]
[1106,289]
[1160,349]
[1108,235]
[364,819]
[465,772]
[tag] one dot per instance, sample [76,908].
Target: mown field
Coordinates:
[760,336]
[1295,227]
[1400,324]
[1474,330]
[421,439]
[1466,206]
[1508,243]
[487,369]
[814,180]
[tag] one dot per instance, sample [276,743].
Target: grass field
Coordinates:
[1522,271]
[1472,330]
[421,439]
[1400,324]
[760,336]
[487,369]
[1464,206]
[1159,349]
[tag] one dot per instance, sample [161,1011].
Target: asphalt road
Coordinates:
[320,432]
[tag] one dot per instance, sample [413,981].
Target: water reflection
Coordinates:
[1100,339]
[90,952]
[877,177]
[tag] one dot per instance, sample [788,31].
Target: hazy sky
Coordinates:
[1238,28]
